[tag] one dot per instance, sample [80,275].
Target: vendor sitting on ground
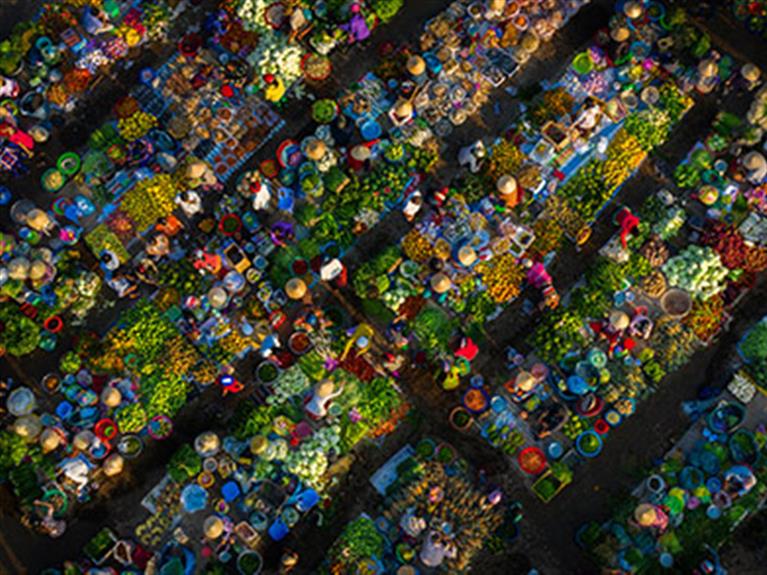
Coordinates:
[342,130]
[300,23]
[413,206]
[190,203]
[588,120]
[124,285]
[109,262]
[45,521]
[169,225]
[472,156]
[208,262]
[357,27]
[147,271]
[549,420]
[158,246]
[18,137]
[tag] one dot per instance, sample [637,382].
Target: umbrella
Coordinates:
[577,385]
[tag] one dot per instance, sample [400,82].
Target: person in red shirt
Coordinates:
[18,137]
[169,225]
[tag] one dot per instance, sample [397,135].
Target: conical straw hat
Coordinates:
[633,10]
[645,515]
[361,153]
[415,65]
[530,42]
[620,34]
[315,149]
[113,464]
[196,170]
[524,381]
[708,68]
[111,397]
[295,288]
[750,72]
[440,283]
[326,389]
[467,255]
[37,270]
[49,440]
[404,109]
[258,444]
[506,185]
[619,320]
[213,527]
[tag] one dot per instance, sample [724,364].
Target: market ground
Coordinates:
[547,532]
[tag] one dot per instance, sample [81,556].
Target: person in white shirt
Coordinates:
[262,195]
[472,156]
[189,202]
[413,206]
[109,262]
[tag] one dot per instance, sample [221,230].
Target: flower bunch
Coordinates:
[310,461]
[253,14]
[275,56]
